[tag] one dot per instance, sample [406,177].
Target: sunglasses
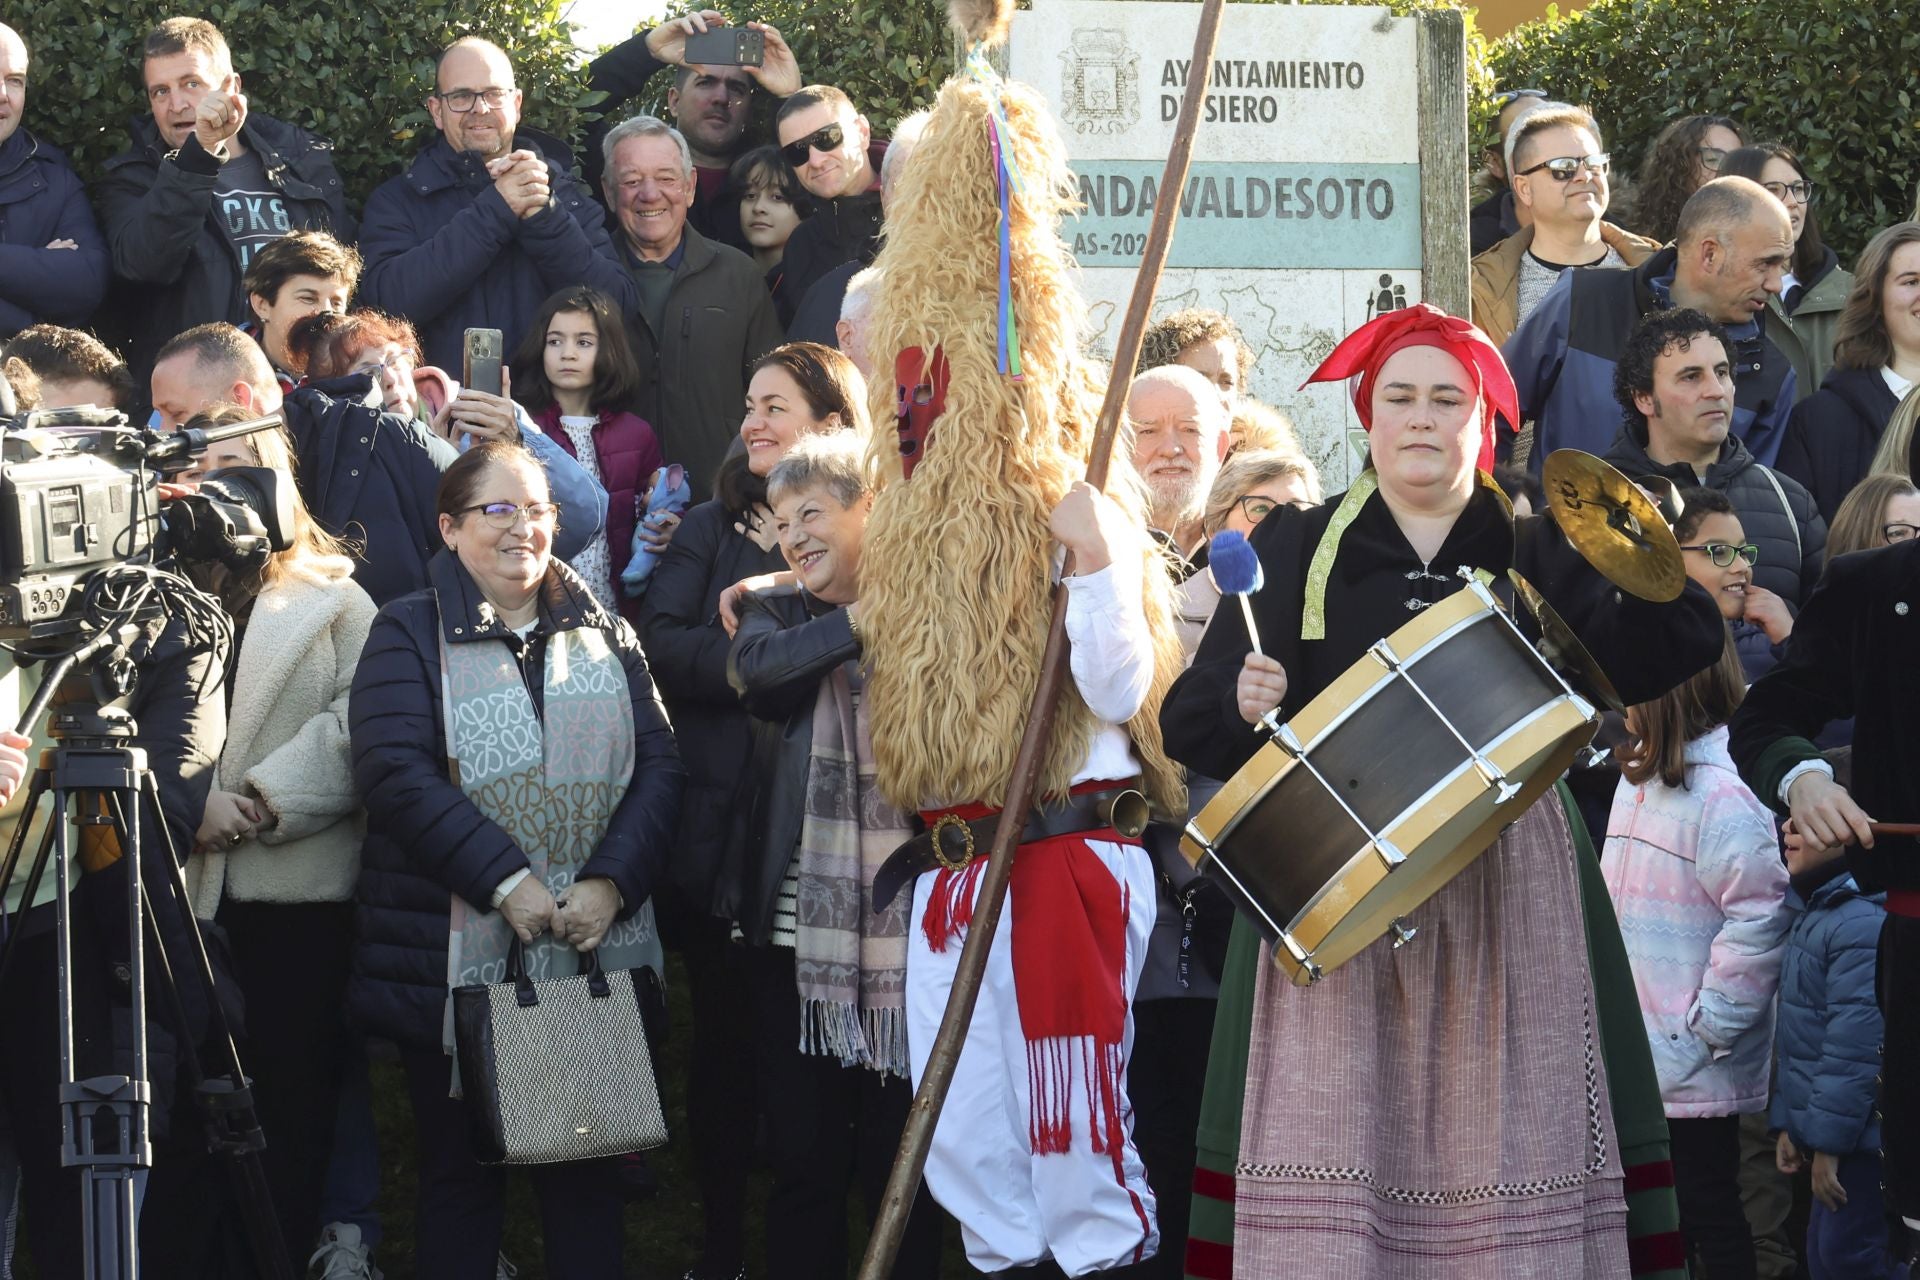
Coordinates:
[1798,192]
[502,515]
[1899,531]
[826,138]
[1566,168]
[1507,97]
[1723,553]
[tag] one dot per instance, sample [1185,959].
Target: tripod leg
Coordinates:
[233,1130]
[12,931]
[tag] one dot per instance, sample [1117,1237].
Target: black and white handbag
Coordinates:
[557,1070]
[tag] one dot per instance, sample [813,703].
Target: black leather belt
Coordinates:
[953,842]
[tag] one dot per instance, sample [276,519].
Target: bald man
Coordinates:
[487,221]
[1729,256]
[207,182]
[53,263]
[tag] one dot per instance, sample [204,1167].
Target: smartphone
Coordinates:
[480,361]
[726,46]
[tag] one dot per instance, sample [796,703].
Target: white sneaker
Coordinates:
[341,1255]
[506,1271]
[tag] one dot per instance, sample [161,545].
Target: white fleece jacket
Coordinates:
[287,745]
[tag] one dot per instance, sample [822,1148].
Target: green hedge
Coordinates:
[355,73]
[1832,81]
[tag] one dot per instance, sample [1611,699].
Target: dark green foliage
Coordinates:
[355,73]
[1832,81]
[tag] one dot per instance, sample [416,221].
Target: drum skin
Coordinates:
[1280,832]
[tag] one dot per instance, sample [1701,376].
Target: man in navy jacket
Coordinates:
[487,222]
[53,263]
[1727,259]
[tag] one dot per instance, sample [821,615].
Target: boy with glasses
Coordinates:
[1559,173]
[487,221]
[831,149]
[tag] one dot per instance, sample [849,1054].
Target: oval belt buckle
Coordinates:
[940,826]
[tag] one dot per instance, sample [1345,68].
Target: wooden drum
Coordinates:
[1390,782]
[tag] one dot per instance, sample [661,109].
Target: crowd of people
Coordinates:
[595,663]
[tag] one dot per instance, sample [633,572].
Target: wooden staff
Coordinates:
[911,1160]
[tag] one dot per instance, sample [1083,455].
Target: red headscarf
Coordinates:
[1366,349]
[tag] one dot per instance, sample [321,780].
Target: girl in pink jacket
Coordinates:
[1694,869]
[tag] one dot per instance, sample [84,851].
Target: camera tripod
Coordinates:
[97,779]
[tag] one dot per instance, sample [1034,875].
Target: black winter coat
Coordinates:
[680,623]
[368,477]
[173,266]
[443,249]
[1378,583]
[1832,434]
[835,233]
[42,200]
[1851,654]
[425,838]
[787,644]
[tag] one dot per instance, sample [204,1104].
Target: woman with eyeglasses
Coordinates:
[521,782]
[1685,157]
[1719,558]
[1882,510]
[1250,486]
[1833,435]
[1803,318]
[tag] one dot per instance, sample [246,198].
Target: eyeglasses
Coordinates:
[826,138]
[1504,99]
[1255,506]
[1710,158]
[1723,553]
[461,101]
[1798,192]
[1899,531]
[503,515]
[1565,168]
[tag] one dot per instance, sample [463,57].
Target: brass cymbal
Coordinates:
[1562,648]
[1610,522]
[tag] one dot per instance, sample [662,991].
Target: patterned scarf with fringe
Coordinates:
[850,963]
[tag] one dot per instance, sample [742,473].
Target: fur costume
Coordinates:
[957,561]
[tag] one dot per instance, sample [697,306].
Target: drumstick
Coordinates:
[1894,828]
[1234,566]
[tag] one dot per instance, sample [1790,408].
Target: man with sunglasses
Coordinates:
[1728,259]
[487,221]
[1674,385]
[831,149]
[1559,175]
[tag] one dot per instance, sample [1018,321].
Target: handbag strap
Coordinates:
[527,995]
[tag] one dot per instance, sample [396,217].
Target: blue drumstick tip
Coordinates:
[1233,564]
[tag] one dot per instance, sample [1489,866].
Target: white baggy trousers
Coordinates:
[1015,1208]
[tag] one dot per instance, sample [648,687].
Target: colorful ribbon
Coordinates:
[1006,175]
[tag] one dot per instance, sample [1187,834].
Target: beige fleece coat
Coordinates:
[287,745]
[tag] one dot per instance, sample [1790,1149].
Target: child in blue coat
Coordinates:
[1828,1045]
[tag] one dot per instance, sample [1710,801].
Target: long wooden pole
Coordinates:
[911,1160]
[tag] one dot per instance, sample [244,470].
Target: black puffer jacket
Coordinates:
[1776,513]
[1833,433]
[787,644]
[425,838]
[173,267]
[680,622]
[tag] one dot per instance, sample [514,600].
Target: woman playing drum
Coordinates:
[1439,1109]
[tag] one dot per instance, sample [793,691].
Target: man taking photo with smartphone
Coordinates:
[207,183]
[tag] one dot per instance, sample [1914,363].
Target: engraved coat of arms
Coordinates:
[1099,82]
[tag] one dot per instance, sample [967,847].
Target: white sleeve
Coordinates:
[1112,653]
[508,885]
[1794,775]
